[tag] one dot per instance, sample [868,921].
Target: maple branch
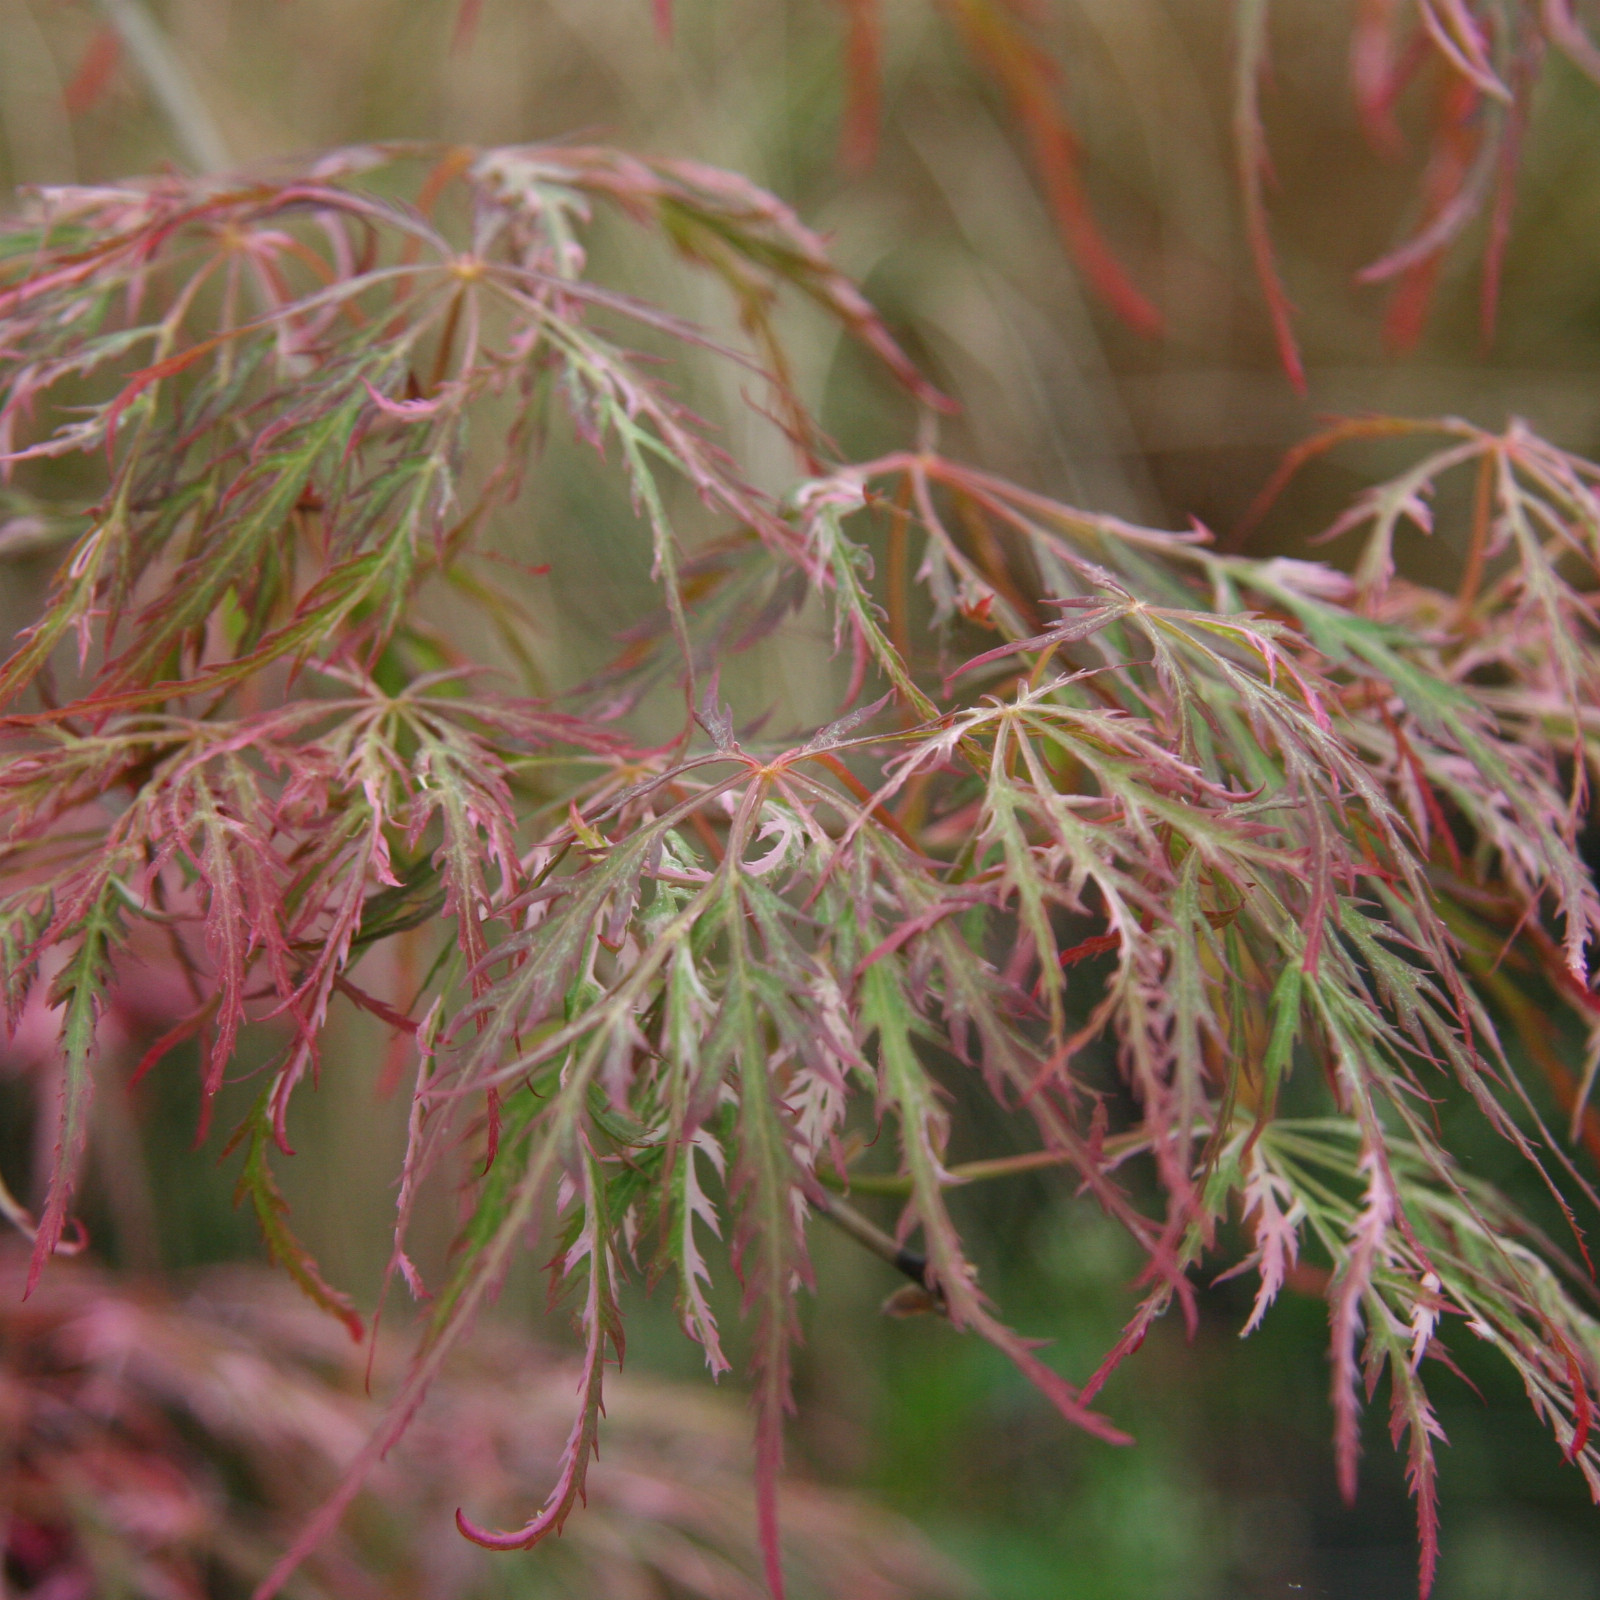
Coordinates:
[847,1219]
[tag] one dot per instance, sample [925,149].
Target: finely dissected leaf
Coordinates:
[1275,1213]
[257,1184]
[602,1323]
[690,1205]
[78,991]
[769,1254]
[1491,753]
[1148,840]
[906,1087]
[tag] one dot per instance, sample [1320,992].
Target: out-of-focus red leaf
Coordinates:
[199,1431]
[466,23]
[1524,80]
[95,71]
[1250,150]
[1458,133]
[1029,79]
[1377,73]
[1462,40]
[1570,37]
[863,74]
[1098,944]
[1341,431]
[173,1037]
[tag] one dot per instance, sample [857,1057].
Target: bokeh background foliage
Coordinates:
[951,231]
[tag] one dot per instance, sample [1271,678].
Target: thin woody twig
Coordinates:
[847,1219]
[899,1183]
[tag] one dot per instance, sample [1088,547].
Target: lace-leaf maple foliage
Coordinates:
[1471,70]
[122,1404]
[1196,836]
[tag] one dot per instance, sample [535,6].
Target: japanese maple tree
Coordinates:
[1301,843]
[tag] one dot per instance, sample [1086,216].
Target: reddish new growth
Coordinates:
[1190,826]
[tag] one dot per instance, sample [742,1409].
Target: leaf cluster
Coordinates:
[1226,876]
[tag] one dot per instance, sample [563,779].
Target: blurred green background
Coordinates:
[1230,1491]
